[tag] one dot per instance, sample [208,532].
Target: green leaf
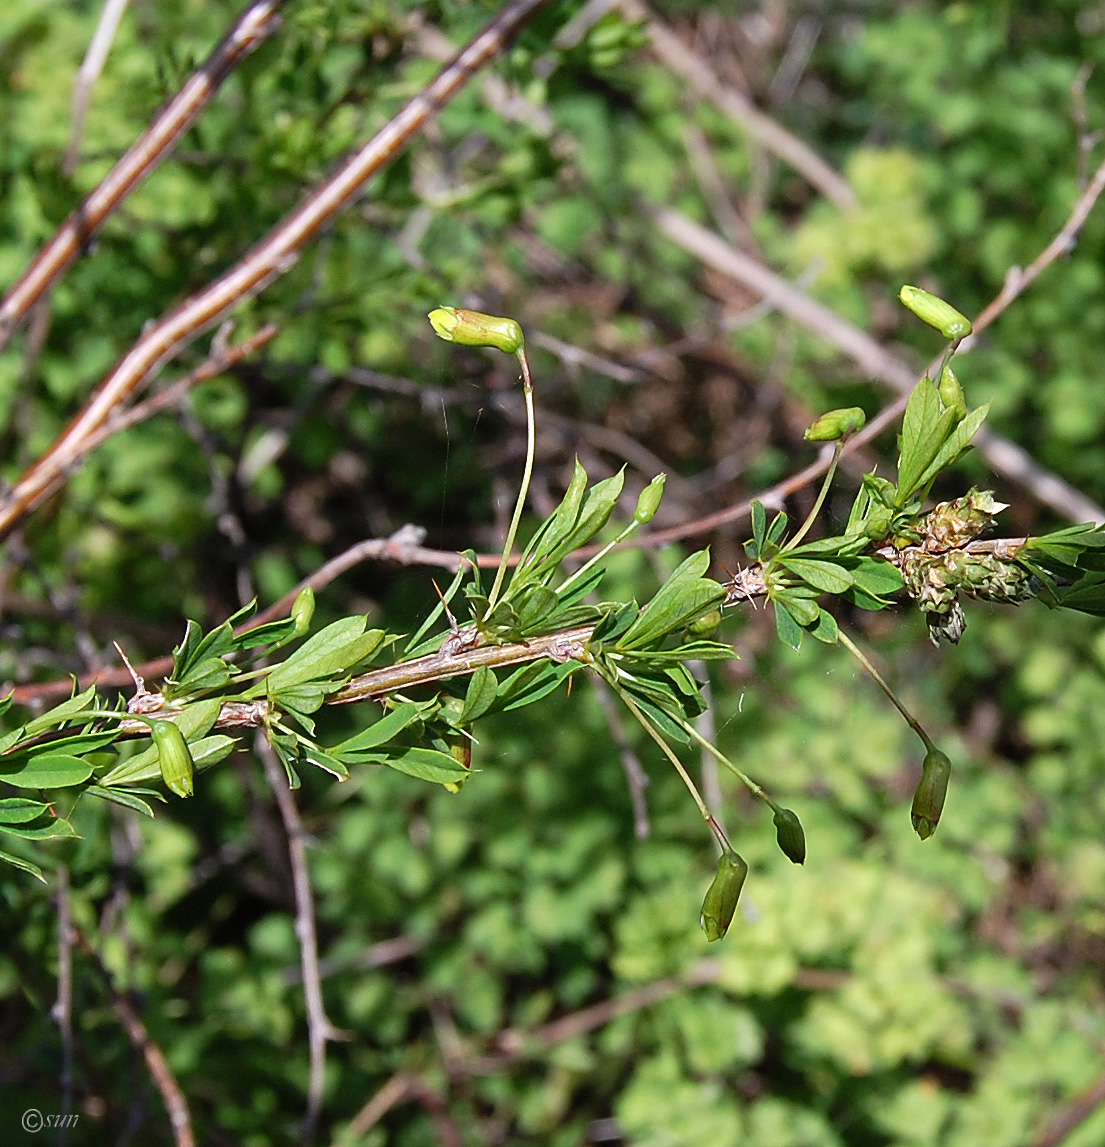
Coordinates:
[19,810]
[480,695]
[323,760]
[615,623]
[60,714]
[919,424]
[759,524]
[600,503]
[777,528]
[875,575]
[803,609]
[47,771]
[55,828]
[959,440]
[427,765]
[531,683]
[686,595]
[540,604]
[332,651]
[789,631]
[578,590]
[825,628]
[826,576]
[386,729]
[26,865]
[663,720]
[551,533]
[122,797]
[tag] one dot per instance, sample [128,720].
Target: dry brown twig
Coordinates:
[259,21]
[272,257]
[91,67]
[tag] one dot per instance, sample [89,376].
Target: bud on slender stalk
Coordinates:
[649,501]
[934,311]
[173,756]
[303,609]
[722,895]
[836,424]
[789,835]
[928,800]
[472,328]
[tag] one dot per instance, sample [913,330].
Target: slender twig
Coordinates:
[1068,1121]
[259,21]
[156,1063]
[769,134]
[266,262]
[319,1027]
[62,1011]
[398,1089]
[91,67]
[811,517]
[878,363]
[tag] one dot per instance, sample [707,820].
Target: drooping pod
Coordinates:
[721,897]
[928,800]
[173,756]
[474,328]
[789,835]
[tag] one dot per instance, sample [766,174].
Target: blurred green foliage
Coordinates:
[888,993]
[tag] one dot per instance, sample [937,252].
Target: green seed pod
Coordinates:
[173,756]
[472,328]
[836,424]
[649,501]
[722,895]
[705,625]
[951,393]
[934,311]
[789,835]
[928,800]
[303,609]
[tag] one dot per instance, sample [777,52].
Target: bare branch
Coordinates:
[319,1027]
[156,1063]
[772,136]
[259,21]
[267,261]
[1004,456]
[1067,1122]
[91,67]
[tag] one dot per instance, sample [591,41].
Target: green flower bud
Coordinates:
[934,311]
[722,896]
[471,328]
[173,756]
[951,393]
[649,501]
[928,800]
[705,625]
[303,609]
[789,835]
[836,424]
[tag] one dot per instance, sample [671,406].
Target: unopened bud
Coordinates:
[722,895]
[928,800]
[789,835]
[951,393]
[836,424]
[934,311]
[472,328]
[173,757]
[649,501]
[705,625]
[303,609]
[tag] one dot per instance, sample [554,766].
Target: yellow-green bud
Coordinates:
[951,393]
[649,501]
[934,311]
[836,424]
[928,800]
[722,895]
[706,624]
[789,835]
[472,328]
[303,609]
[173,756]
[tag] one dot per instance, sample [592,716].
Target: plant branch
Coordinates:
[156,1063]
[91,67]
[255,25]
[267,261]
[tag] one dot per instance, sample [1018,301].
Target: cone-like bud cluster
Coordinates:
[934,311]
[473,328]
[836,424]
[722,895]
[789,835]
[954,524]
[928,800]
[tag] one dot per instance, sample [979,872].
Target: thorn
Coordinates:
[139,684]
